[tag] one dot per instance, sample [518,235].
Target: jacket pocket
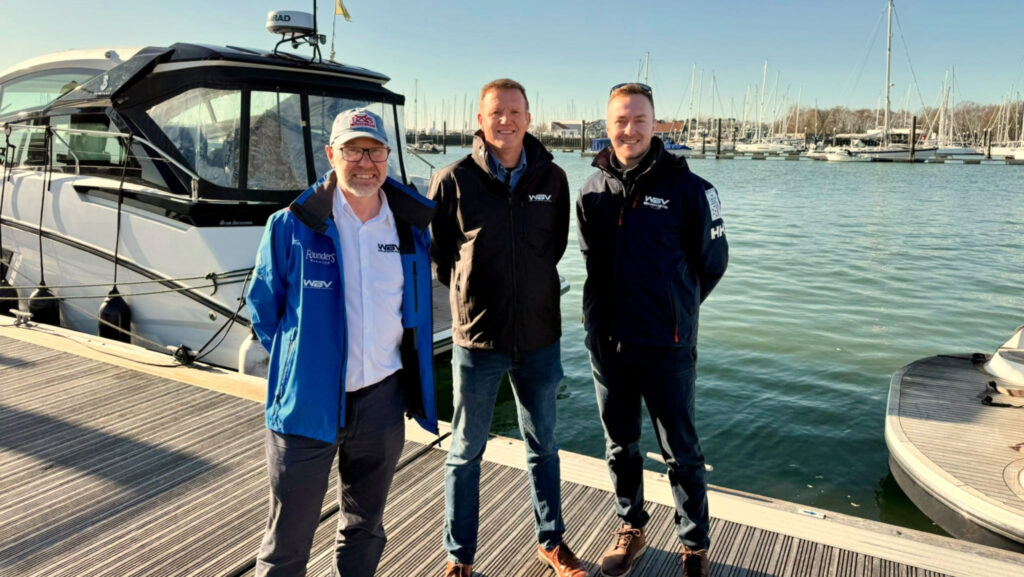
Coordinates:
[287,366]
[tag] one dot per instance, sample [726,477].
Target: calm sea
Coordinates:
[839,274]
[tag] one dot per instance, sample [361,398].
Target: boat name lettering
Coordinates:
[656,203]
[235,223]
[320,257]
[317,284]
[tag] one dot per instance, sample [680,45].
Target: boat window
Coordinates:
[29,147]
[323,109]
[203,124]
[40,88]
[277,151]
[97,154]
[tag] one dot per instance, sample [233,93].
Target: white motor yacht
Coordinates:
[154,170]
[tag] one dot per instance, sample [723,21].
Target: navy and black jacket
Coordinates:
[497,249]
[654,246]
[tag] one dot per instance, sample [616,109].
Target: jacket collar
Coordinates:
[313,207]
[536,155]
[659,159]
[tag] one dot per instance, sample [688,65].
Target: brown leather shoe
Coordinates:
[457,570]
[629,546]
[562,560]
[695,562]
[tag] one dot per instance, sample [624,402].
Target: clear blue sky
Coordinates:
[569,52]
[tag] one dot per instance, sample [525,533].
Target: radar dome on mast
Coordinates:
[290,22]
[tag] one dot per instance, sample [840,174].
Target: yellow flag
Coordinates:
[340,9]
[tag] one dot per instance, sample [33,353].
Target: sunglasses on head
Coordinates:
[638,85]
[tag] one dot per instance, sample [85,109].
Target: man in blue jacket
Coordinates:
[341,299]
[652,237]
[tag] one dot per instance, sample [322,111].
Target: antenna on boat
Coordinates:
[298,28]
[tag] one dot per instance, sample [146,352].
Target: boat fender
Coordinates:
[115,318]
[44,307]
[253,359]
[8,298]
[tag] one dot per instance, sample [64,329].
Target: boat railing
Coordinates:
[125,139]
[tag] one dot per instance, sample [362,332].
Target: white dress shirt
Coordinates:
[372,267]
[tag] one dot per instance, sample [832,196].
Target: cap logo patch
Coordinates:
[362,120]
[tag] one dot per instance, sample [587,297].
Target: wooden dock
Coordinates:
[116,463]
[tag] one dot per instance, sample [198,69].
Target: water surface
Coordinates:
[839,274]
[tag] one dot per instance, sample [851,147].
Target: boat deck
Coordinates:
[957,458]
[116,464]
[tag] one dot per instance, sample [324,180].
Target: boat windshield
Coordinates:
[205,126]
[41,88]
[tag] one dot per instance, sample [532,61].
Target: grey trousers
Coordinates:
[298,467]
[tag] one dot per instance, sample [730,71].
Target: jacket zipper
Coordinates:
[515,283]
[675,314]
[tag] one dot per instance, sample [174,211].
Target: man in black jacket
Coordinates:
[652,237]
[501,226]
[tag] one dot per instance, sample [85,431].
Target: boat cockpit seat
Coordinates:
[89,149]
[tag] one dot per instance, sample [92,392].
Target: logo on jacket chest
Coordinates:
[656,203]
[321,257]
[317,284]
[387,247]
[540,198]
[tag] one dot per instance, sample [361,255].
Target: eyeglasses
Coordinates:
[636,85]
[355,153]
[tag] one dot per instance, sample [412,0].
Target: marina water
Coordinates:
[839,274]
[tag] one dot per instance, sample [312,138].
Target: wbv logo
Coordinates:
[539,198]
[656,203]
[317,284]
[320,257]
[381,247]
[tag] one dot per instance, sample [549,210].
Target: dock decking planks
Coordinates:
[111,471]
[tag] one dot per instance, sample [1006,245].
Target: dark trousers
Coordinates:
[368,449]
[664,378]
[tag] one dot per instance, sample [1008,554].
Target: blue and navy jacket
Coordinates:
[654,246]
[297,306]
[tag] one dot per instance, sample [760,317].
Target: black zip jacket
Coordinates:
[496,249]
[654,245]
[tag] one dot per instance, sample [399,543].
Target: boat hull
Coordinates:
[78,249]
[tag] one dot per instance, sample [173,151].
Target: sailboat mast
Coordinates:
[760,109]
[888,85]
[689,114]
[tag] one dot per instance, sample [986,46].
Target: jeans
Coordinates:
[368,449]
[664,378]
[476,376]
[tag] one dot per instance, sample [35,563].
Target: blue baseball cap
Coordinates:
[358,123]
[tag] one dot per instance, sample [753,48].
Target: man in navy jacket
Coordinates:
[341,299]
[652,237]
